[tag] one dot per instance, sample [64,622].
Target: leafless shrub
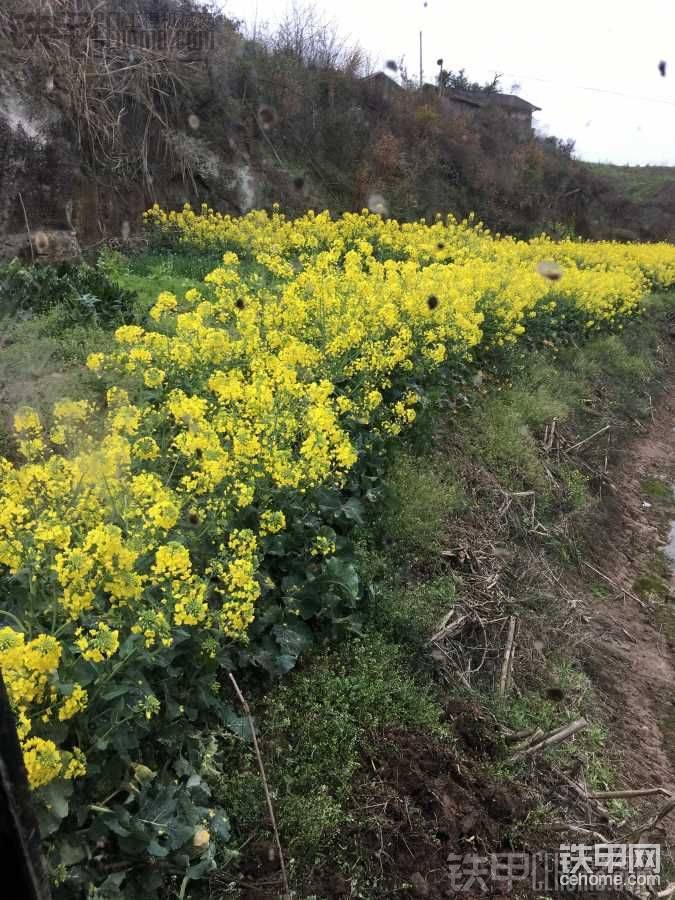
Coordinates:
[315,44]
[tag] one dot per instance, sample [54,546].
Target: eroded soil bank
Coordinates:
[630,654]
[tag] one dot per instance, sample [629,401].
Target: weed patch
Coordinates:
[316,726]
[420,494]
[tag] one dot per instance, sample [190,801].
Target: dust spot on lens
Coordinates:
[239,303]
[267,117]
[378,205]
[432,301]
[662,67]
[41,242]
[193,121]
[549,270]
[392,65]
[298,182]
[440,245]
[126,230]
[49,84]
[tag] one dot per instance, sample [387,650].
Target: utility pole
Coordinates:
[421,72]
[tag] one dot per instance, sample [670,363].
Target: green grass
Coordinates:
[407,613]
[654,580]
[42,363]
[421,493]
[638,183]
[658,491]
[154,271]
[502,431]
[316,725]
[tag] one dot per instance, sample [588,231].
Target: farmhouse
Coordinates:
[382,84]
[519,111]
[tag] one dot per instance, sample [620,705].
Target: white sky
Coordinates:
[553,52]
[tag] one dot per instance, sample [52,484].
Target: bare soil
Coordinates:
[630,654]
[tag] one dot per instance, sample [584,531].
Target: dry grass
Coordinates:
[122,93]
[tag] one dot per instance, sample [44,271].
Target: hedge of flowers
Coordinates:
[198,520]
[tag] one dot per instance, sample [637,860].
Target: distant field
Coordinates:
[636,182]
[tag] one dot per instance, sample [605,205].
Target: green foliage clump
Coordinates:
[576,487]
[317,723]
[420,495]
[147,274]
[658,490]
[408,614]
[84,294]
[499,436]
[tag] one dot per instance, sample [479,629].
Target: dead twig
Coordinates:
[578,829]
[552,739]
[549,435]
[583,795]
[261,766]
[448,628]
[617,795]
[486,647]
[510,496]
[440,651]
[595,473]
[512,737]
[508,656]
[586,440]
[30,239]
[534,738]
[615,585]
[660,813]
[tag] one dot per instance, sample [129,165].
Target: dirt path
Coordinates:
[630,655]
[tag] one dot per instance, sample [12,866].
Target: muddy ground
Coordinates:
[630,654]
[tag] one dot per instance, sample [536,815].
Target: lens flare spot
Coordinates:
[41,241]
[378,205]
[550,270]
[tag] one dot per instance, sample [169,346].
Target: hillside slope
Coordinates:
[95,127]
[646,195]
